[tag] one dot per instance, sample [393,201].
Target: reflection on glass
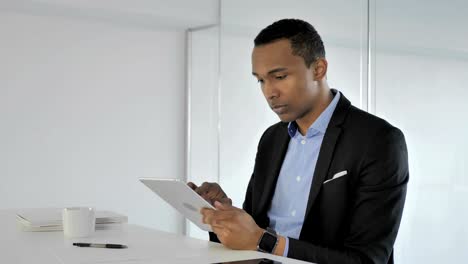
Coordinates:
[421,75]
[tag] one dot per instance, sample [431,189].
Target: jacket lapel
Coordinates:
[327,149]
[271,178]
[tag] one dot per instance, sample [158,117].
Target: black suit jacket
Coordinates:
[351,219]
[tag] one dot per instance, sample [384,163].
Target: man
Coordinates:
[329,181]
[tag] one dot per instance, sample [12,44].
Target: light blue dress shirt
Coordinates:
[289,203]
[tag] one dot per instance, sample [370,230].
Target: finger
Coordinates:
[210,216]
[207,198]
[214,192]
[203,189]
[212,189]
[223,206]
[192,185]
[205,210]
[215,224]
[212,197]
[207,219]
[222,215]
[219,194]
[209,192]
[225,200]
[225,224]
[222,233]
[219,231]
[207,215]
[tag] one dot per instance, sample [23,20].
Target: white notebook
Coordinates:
[50,219]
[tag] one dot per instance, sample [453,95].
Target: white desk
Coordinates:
[144,246]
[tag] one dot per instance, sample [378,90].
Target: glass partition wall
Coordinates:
[421,72]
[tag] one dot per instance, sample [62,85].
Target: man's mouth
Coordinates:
[279,109]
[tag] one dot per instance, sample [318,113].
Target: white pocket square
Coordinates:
[336,176]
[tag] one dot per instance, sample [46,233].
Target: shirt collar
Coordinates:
[321,124]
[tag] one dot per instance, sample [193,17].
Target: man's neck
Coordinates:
[322,103]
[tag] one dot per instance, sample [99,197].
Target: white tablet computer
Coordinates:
[180,196]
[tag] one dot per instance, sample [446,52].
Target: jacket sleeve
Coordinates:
[376,208]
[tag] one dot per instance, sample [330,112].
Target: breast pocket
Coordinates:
[336,176]
[334,192]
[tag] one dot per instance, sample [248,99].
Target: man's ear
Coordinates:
[320,69]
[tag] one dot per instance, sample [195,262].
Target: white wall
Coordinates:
[92,98]
[149,14]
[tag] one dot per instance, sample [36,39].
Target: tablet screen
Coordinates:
[252,261]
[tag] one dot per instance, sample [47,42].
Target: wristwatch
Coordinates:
[268,241]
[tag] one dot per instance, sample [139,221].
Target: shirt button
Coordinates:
[303,142]
[293,213]
[298,178]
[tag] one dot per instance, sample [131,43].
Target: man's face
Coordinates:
[287,84]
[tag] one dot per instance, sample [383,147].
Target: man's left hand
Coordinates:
[235,228]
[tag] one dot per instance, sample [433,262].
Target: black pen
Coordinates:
[97,245]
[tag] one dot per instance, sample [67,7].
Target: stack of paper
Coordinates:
[50,219]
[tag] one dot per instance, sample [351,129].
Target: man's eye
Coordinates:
[281,77]
[260,81]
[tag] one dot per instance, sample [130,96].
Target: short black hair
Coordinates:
[305,40]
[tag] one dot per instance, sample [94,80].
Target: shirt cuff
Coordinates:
[286,247]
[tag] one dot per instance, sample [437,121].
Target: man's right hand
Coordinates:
[211,192]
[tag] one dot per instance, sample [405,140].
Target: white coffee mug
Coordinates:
[78,221]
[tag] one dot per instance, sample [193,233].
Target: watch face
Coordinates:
[268,242]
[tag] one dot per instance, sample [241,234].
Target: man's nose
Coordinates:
[270,90]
